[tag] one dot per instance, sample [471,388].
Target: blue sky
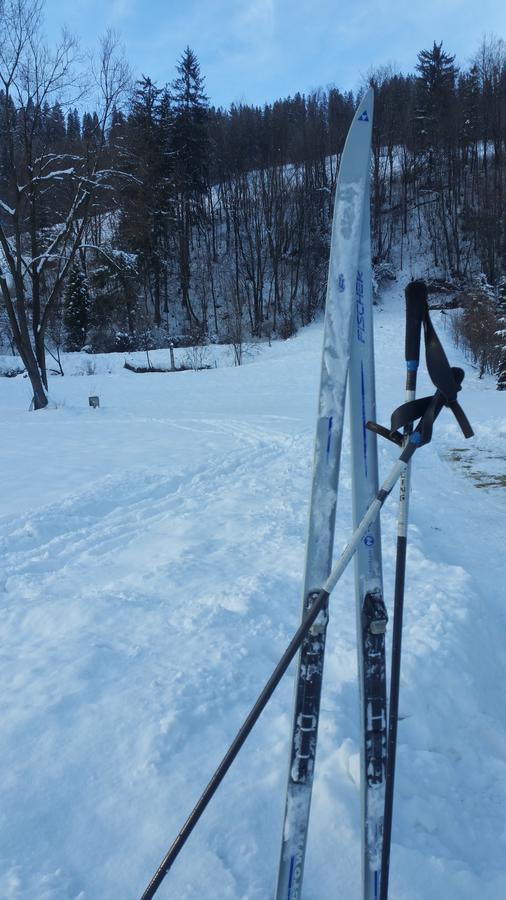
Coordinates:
[258,50]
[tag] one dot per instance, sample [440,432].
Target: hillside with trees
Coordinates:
[159,218]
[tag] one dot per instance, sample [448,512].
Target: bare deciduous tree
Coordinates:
[46,197]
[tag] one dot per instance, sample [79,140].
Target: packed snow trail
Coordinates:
[151,557]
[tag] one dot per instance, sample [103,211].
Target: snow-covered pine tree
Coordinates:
[146,204]
[190,145]
[190,136]
[435,87]
[501,334]
[76,305]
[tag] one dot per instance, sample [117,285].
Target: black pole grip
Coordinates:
[416,310]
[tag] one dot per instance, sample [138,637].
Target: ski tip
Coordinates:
[365,109]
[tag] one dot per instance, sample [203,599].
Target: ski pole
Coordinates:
[416,308]
[427,410]
[319,600]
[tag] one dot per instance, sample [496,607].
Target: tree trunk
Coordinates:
[21,341]
[39,388]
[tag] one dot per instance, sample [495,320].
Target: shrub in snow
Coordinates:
[196,357]
[123,342]
[501,335]
[475,327]
[382,272]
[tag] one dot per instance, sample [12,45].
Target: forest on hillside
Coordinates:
[157,218]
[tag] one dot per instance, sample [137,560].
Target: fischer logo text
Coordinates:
[360,308]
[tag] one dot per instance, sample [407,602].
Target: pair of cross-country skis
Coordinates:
[348,366]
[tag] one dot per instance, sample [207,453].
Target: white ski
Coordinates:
[340,312]
[370,607]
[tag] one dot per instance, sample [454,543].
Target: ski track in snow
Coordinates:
[142,613]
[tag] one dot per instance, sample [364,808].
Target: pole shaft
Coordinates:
[242,734]
[395,673]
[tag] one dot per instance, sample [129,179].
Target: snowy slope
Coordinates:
[151,559]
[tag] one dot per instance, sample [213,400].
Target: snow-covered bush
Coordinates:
[196,357]
[382,272]
[501,335]
[475,327]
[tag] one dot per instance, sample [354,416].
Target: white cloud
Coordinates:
[262,49]
[119,10]
[257,16]
[253,29]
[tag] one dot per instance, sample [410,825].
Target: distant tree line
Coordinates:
[161,218]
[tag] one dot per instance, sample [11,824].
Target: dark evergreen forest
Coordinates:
[160,218]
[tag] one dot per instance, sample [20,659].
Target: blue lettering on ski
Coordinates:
[290,877]
[364,429]
[368,540]
[364,117]
[359,293]
[340,283]
[295,874]
[329,435]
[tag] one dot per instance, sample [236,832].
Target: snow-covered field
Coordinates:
[151,562]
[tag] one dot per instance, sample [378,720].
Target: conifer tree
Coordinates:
[190,122]
[54,126]
[73,128]
[469,93]
[76,304]
[190,143]
[436,85]
[146,201]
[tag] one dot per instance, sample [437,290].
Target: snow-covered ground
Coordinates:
[151,562]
